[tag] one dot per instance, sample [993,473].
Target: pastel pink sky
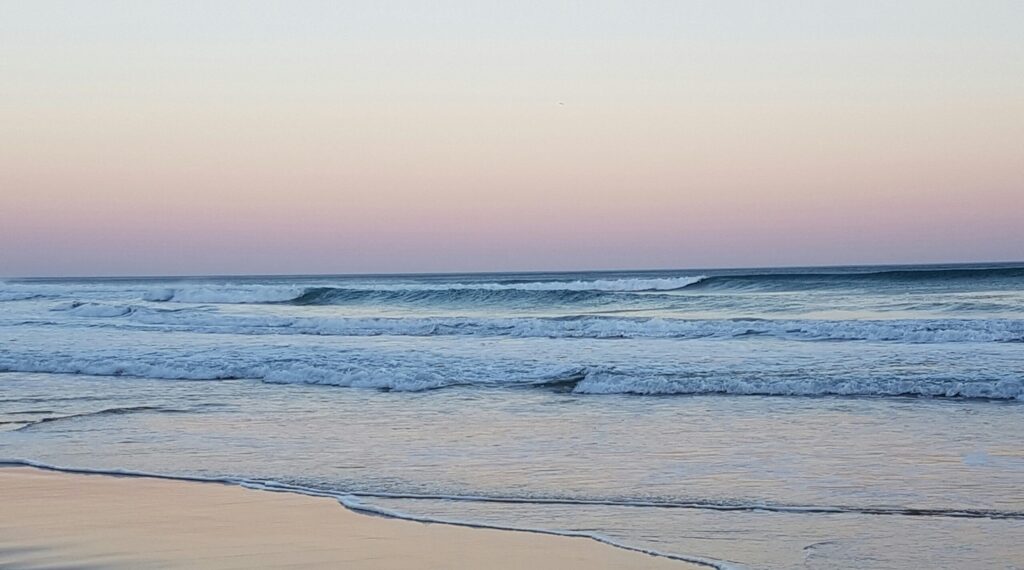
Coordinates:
[316,137]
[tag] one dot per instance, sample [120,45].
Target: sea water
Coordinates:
[856,417]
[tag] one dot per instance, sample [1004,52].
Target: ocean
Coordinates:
[848,417]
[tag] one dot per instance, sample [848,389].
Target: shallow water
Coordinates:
[863,417]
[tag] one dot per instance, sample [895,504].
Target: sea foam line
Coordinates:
[917,331]
[352,503]
[687,505]
[580,380]
[711,506]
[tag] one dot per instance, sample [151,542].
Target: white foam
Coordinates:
[605,382]
[414,377]
[902,330]
[418,372]
[224,294]
[356,377]
[355,504]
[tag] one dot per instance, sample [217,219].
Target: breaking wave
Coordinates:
[899,330]
[210,369]
[412,292]
[92,309]
[526,288]
[611,382]
[224,294]
[824,279]
[580,380]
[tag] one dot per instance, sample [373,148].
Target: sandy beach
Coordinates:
[58,520]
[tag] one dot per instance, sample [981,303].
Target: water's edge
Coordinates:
[353,504]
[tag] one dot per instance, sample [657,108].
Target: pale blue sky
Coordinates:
[267,137]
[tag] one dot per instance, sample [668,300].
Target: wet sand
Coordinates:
[58,520]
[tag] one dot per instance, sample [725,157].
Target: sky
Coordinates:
[215,137]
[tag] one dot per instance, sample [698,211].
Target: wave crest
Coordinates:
[327,294]
[810,280]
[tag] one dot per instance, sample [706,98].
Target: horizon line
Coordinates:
[511,272]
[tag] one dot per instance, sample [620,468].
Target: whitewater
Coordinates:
[856,415]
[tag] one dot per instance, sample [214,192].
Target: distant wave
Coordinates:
[621,285]
[836,278]
[93,309]
[412,292]
[6,296]
[458,296]
[509,289]
[224,294]
[902,330]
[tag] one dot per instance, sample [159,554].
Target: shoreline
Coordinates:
[54,517]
